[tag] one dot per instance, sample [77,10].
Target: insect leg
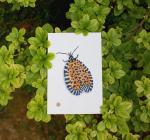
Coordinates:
[77,56]
[64,61]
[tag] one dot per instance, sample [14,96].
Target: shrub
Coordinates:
[125,26]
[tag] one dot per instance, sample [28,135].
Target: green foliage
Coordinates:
[16,36]
[126,55]
[20,3]
[37,109]
[6,57]
[147,138]
[41,85]
[40,39]
[22,63]
[125,31]
[121,5]
[12,75]
[143,111]
[113,72]
[112,38]
[143,87]
[143,39]
[39,63]
[4,97]
[76,131]
[81,127]
[130,136]
[16,39]
[88,15]
[115,114]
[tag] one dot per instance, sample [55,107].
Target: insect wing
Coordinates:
[77,77]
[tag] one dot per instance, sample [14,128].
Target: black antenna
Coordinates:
[75,49]
[68,53]
[61,53]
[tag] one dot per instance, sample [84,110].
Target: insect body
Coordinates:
[77,76]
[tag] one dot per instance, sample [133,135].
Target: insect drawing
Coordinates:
[77,76]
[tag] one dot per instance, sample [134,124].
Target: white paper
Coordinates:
[60,99]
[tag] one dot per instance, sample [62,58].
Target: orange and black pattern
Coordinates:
[77,76]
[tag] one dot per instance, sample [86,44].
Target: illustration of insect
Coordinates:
[77,76]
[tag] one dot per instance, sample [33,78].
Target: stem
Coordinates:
[96,2]
[16,54]
[139,26]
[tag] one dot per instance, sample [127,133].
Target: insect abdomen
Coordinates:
[77,76]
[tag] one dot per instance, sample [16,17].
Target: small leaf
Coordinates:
[101,126]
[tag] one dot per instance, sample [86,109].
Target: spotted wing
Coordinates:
[77,77]
[87,80]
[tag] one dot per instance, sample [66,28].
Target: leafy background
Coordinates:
[24,61]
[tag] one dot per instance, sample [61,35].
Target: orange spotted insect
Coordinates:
[77,76]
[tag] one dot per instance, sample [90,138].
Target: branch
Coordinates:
[140,25]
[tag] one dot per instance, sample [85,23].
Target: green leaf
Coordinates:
[101,126]
[93,134]
[48,28]
[113,72]
[12,76]
[112,37]
[80,3]
[37,109]
[83,136]
[57,30]
[101,136]
[4,97]
[147,68]
[35,68]
[40,40]
[122,126]
[123,109]
[16,36]
[143,87]
[5,56]
[113,111]
[93,26]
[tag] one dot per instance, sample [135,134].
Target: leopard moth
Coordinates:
[77,76]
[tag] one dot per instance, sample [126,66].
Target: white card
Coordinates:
[62,95]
